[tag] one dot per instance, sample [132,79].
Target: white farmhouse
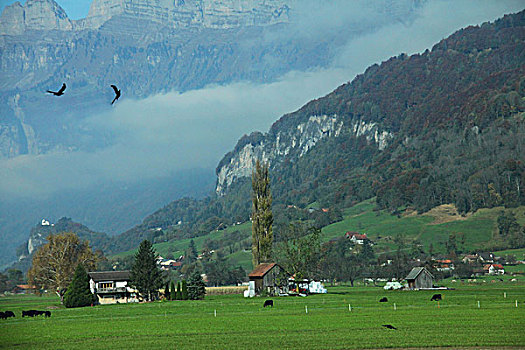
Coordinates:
[112,287]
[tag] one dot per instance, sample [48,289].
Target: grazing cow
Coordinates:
[383,300]
[30,313]
[268,303]
[389,326]
[47,313]
[436,297]
[2,315]
[8,314]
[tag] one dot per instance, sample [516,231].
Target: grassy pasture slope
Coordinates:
[477,228]
[243,323]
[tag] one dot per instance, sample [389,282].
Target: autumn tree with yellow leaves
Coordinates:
[55,262]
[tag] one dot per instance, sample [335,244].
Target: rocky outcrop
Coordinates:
[224,14]
[291,143]
[35,15]
[39,233]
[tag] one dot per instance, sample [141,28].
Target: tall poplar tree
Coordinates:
[262,217]
[145,275]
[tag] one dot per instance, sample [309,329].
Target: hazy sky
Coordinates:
[75,9]
[172,131]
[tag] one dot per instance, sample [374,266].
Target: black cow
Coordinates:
[30,313]
[383,300]
[436,297]
[2,315]
[8,314]
[268,303]
[389,326]
[47,313]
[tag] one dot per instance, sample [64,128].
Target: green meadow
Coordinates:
[345,318]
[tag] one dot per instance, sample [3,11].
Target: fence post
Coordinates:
[395,307]
[215,312]
[349,308]
[478,305]
[306,308]
[505,295]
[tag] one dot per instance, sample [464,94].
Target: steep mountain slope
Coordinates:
[445,126]
[398,121]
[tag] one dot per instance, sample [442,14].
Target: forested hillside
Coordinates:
[452,120]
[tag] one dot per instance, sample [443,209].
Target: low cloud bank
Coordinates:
[170,132]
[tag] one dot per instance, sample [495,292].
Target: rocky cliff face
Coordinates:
[290,143]
[192,13]
[48,15]
[35,15]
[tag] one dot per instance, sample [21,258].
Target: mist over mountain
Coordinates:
[194,75]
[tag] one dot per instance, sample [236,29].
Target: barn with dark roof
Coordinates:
[419,278]
[268,277]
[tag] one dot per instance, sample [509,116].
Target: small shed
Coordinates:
[419,278]
[267,277]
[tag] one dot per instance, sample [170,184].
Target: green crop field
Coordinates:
[230,321]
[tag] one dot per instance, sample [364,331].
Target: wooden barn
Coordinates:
[419,278]
[268,277]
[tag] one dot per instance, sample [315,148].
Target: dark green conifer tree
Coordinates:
[184,290]
[167,291]
[179,292]
[173,294]
[191,252]
[145,275]
[196,286]
[78,294]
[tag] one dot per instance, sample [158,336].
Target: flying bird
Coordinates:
[389,326]
[117,93]
[59,92]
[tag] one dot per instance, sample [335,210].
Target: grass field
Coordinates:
[244,323]
[518,253]
[477,228]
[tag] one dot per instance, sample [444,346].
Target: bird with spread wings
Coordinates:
[117,93]
[59,92]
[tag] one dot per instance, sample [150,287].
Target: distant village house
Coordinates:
[23,289]
[494,269]
[356,237]
[443,265]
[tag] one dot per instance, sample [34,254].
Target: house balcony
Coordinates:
[112,290]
